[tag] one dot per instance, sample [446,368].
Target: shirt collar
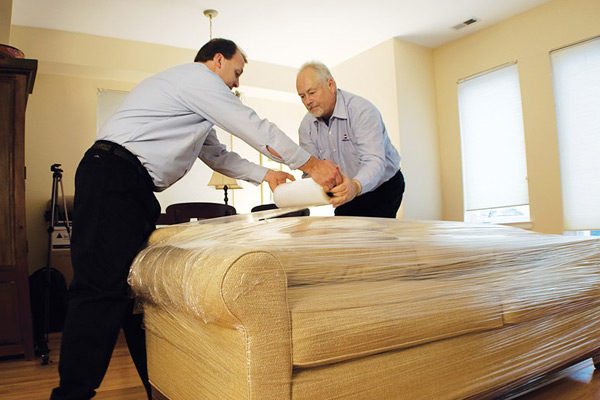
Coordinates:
[339,111]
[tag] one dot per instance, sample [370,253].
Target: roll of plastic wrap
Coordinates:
[300,193]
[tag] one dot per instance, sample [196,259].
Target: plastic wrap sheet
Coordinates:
[300,193]
[357,308]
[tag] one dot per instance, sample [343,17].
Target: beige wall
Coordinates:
[417,120]
[61,112]
[372,75]
[406,82]
[398,78]
[5,19]
[527,38]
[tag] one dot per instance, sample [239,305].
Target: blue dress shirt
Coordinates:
[167,122]
[356,140]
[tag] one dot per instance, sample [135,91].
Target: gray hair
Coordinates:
[323,73]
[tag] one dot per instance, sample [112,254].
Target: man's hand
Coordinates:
[276,178]
[345,192]
[324,172]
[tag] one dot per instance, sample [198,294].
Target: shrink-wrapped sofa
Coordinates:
[315,308]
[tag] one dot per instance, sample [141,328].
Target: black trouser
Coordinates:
[115,211]
[382,202]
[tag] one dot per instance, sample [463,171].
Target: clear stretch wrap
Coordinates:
[300,193]
[252,307]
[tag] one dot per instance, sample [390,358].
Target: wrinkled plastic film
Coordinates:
[341,307]
[300,193]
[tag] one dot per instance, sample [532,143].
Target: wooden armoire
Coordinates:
[16,82]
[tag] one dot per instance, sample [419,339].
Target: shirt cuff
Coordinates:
[356,183]
[257,174]
[298,159]
[364,186]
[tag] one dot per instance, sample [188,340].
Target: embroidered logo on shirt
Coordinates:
[345,137]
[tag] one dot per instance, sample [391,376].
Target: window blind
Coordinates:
[492,140]
[576,79]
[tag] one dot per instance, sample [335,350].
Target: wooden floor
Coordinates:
[29,380]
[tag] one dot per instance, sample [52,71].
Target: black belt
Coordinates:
[123,153]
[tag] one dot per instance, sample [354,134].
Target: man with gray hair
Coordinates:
[349,130]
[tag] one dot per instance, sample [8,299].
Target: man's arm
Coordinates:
[216,156]
[212,99]
[369,139]
[276,178]
[208,96]
[305,139]
[347,191]
[315,168]
[324,172]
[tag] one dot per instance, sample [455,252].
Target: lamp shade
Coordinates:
[219,181]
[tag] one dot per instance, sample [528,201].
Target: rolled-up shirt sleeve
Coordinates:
[216,156]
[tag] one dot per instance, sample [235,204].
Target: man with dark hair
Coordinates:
[224,46]
[349,130]
[152,140]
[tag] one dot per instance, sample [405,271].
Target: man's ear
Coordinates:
[218,59]
[331,85]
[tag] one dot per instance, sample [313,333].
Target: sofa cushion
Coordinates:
[541,292]
[482,365]
[336,322]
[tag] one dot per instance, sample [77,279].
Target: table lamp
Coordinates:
[220,181]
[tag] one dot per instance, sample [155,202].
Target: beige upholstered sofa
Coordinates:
[318,308]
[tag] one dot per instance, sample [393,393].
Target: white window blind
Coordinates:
[576,75]
[492,140]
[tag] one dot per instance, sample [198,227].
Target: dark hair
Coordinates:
[224,46]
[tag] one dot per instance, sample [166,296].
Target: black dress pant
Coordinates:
[382,202]
[115,211]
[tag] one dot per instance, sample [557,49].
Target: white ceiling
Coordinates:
[276,31]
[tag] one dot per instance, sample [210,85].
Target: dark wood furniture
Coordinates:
[185,212]
[16,82]
[305,212]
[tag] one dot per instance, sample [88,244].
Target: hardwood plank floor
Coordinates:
[29,380]
[582,384]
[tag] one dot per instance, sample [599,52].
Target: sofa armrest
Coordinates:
[237,288]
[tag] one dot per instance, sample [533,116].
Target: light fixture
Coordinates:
[220,181]
[210,14]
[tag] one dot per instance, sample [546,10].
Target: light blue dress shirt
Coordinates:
[167,122]
[356,140]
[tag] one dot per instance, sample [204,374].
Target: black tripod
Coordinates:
[52,223]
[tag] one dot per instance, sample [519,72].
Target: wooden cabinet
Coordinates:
[16,82]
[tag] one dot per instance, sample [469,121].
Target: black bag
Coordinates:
[39,284]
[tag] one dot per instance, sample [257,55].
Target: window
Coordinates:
[493,147]
[576,78]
